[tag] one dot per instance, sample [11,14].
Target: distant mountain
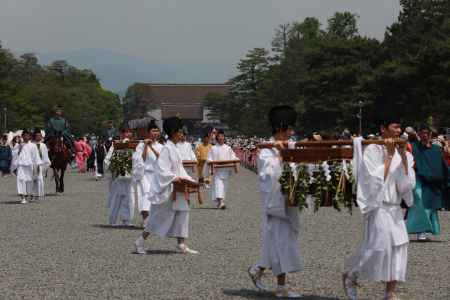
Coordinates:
[118,71]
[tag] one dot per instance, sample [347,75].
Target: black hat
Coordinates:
[206,131]
[172,125]
[387,119]
[282,117]
[152,125]
[36,130]
[423,127]
[220,131]
[387,113]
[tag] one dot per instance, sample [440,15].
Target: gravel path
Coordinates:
[62,249]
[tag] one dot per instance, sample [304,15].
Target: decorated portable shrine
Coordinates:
[323,169]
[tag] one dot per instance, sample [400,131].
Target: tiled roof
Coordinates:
[183,99]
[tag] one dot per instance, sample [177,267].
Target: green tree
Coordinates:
[29,91]
[415,74]
[133,105]
[343,25]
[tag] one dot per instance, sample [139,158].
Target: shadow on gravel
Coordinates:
[106,226]
[253,294]
[426,242]
[11,202]
[209,208]
[161,252]
[53,195]
[92,179]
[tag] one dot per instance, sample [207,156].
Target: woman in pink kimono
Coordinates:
[80,156]
[87,150]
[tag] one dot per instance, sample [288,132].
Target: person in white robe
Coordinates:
[39,182]
[169,216]
[385,176]
[187,153]
[221,176]
[15,144]
[25,164]
[280,224]
[144,163]
[120,202]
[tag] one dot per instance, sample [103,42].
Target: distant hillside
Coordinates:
[118,71]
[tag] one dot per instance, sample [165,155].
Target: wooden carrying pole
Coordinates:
[131,145]
[317,151]
[219,164]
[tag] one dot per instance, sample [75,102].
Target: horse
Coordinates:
[59,156]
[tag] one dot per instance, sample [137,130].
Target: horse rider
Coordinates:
[58,126]
[110,132]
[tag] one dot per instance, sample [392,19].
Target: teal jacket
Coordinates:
[432,172]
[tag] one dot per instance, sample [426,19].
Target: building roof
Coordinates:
[191,112]
[180,99]
[140,123]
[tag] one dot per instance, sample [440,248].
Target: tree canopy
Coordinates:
[29,91]
[325,71]
[133,105]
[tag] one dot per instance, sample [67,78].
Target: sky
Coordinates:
[171,31]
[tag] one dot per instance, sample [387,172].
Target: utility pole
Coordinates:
[359,115]
[5,124]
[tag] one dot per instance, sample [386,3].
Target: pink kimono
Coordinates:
[80,156]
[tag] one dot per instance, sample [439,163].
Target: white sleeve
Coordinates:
[138,167]
[232,154]
[266,164]
[210,155]
[162,187]
[406,183]
[45,159]
[108,157]
[192,154]
[35,156]
[269,171]
[371,179]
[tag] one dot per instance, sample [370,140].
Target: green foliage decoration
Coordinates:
[296,183]
[121,163]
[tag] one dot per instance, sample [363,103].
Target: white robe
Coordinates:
[186,151]
[26,161]
[120,202]
[15,149]
[38,182]
[221,176]
[383,253]
[188,154]
[168,218]
[143,172]
[280,224]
